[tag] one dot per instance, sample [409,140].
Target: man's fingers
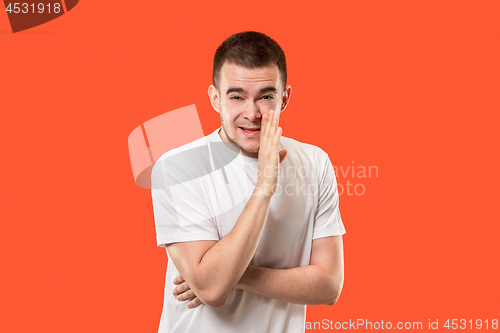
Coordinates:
[180,289]
[273,126]
[272,123]
[268,130]
[194,303]
[178,280]
[189,294]
[265,125]
[277,135]
[275,141]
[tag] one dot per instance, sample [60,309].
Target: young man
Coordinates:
[250,219]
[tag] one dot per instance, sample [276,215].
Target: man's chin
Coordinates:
[246,146]
[249,146]
[249,150]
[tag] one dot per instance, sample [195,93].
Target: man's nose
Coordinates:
[252,112]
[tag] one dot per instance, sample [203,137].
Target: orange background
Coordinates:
[411,87]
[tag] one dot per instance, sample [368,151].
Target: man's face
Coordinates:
[244,95]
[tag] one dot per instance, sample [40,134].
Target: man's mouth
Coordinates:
[250,131]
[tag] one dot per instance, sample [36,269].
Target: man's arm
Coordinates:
[212,269]
[318,283]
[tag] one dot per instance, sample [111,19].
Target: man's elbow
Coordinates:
[334,297]
[213,299]
[334,292]
[210,292]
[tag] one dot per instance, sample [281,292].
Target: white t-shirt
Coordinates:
[200,189]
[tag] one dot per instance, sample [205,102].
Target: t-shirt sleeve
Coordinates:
[327,220]
[180,210]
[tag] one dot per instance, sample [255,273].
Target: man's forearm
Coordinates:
[223,265]
[310,284]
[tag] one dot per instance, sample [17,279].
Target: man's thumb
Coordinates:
[283,154]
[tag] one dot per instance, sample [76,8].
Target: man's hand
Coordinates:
[269,157]
[183,293]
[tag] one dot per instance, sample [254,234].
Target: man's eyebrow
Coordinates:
[267,89]
[261,91]
[239,90]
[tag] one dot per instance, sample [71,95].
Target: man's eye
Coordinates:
[235,97]
[267,97]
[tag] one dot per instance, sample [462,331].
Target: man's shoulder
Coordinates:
[302,149]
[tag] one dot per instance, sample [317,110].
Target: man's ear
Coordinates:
[286,98]
[213,94]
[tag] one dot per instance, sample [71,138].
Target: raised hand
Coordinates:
[269,157]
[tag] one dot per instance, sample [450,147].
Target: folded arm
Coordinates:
[320,282]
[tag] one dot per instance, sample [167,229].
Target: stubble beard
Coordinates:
[232,140]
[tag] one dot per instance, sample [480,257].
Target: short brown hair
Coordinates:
[249,49]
